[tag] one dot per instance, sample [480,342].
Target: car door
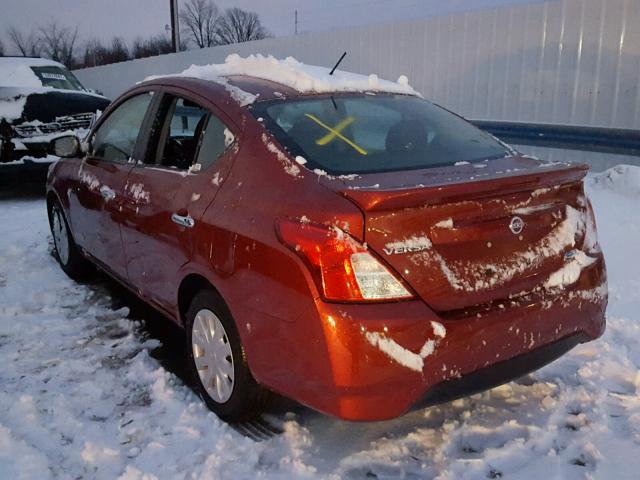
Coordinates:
[96,207]
[166,194]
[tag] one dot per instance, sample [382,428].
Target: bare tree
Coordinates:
[236,25]
[199,17]
[58,42]
[95,53]
[156,45]
[119,51]
[27,45]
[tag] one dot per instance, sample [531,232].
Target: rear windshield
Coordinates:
[346,134]
[56,77]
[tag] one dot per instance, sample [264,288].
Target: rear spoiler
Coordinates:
[381,199]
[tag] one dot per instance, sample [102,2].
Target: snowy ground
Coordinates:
[83,394]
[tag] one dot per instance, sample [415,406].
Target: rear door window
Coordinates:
[181,134]
[186,136]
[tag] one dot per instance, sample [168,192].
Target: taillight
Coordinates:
[342,267]
[591,232]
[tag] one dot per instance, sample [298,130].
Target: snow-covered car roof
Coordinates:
[290,73]
[16,71]
[28,61]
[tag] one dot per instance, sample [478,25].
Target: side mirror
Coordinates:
[65,147]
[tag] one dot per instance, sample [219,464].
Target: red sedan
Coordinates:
[362,252]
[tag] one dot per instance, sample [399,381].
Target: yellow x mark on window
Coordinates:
[335,132]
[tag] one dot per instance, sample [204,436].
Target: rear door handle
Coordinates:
[183,220]
[107,193]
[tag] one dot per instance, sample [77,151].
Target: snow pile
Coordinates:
[205,72]
[296,75]
[623,179]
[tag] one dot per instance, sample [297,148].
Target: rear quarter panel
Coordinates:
[265,285]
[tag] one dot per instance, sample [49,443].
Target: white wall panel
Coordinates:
[561,61]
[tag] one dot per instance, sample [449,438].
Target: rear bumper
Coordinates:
[499,373]
[373,351]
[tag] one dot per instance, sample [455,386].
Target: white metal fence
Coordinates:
[560,61]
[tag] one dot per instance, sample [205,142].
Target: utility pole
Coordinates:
[296,22]
[175,26]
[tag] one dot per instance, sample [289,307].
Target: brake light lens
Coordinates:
[342,267]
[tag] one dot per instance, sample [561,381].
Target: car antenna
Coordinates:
[337,63]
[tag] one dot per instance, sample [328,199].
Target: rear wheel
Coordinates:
[67,252]
[218,363]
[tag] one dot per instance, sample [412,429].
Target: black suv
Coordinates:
[39,100]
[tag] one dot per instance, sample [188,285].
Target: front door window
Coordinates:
[116,138]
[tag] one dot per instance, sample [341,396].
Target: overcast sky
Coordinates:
[130,18]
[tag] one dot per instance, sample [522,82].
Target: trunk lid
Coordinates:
[473,234]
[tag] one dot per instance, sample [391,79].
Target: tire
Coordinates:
[71,260]
[217,361]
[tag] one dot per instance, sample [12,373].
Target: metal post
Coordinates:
[175,26]
[296,21]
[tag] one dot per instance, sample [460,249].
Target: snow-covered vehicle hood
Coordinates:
[38,89]
[40,111]
[45,104]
